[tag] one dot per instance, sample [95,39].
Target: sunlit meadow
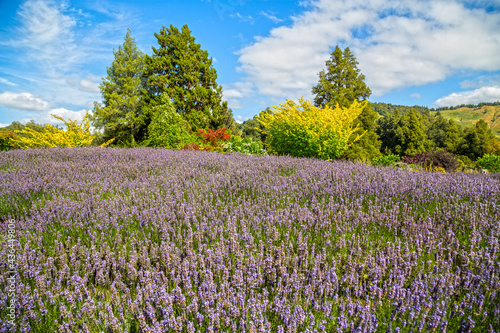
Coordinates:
[152,240]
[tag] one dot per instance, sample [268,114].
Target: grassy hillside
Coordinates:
[467,116]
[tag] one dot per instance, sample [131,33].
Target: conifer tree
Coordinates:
[476,140]
[119,113]
[342,83]
[183,71]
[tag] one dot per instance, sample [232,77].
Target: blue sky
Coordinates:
[53,54]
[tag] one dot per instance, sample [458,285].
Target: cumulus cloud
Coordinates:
[416,95]
[483,94]
[232,93]
[397,44]
[23,101]
[89,86]
[235,92]
[47,118]
[3,125]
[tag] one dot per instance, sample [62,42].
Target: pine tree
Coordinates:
[183,71]
[341,84]
[119,113]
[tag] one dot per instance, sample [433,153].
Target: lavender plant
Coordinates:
[153,240]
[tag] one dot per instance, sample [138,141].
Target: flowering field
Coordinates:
[151,240]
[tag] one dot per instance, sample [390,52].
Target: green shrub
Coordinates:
[490,162]
[384,161]
[168,128]
[245,146]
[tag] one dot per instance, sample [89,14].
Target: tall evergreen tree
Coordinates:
[183,71]
[389,130]
[119,113]
[445,134]
[476,140]
[342,83]
[412,136]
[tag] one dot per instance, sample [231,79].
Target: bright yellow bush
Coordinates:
[76,135]
[309,131]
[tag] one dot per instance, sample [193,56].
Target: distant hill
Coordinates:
[464,115]
[385,108]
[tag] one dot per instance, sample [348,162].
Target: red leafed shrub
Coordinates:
[212,137]
[191,146]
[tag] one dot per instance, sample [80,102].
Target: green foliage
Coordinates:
[384,109]
[253,129]
[342,82]
[476,140]
[387,160]
[307,131]
[368,145]
[183,71]
[490,162]
[168,129]
[403,134]
[7,139]
[445,134]
[119,114]
[244,146]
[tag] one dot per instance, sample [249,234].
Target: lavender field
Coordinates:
[152,240]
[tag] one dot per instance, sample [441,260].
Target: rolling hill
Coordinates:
[464,115]
[467,116]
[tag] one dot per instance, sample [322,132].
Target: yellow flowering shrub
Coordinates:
[308,131]
[76,135]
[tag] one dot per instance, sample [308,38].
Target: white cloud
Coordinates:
[242,18]
[89,86]
[481,81]
[7,82]
[3,125]
[23,101]
[47,118]
[271,17]
[416,95]
[397,43]
[235,92]
[48,33]
[483,94]
[232,93]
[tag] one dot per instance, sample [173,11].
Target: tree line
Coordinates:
[387,129]
[169,98]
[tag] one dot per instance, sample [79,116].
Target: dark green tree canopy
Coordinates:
[476,140]
[183,71]
[342,82]
[119,112]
